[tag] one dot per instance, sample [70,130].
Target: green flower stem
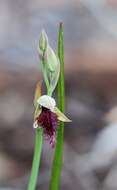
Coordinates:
[45,74]
[57,162]
[36,159]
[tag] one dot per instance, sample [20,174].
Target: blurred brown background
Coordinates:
[90,156]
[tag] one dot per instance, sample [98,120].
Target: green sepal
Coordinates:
[60,115]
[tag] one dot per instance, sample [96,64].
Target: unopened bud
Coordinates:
[51,59]
[54,77]
[43,42]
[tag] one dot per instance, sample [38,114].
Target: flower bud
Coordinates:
[51,59]
[54,77]
[43,42]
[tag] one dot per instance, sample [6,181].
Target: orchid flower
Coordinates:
[47,115]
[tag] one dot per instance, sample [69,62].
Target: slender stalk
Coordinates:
[45,74]
[36,159]
[57,162]
[37,155]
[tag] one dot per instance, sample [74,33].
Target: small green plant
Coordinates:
[47,114]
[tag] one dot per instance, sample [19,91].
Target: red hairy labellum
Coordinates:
[48,121]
